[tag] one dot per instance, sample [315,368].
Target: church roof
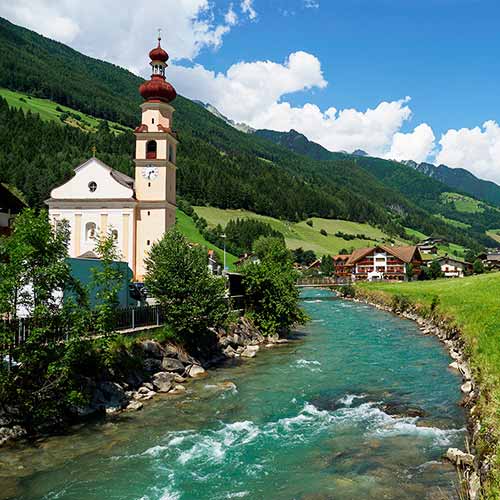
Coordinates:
[120,177]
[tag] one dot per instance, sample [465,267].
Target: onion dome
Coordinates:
[158,54]
[157,89]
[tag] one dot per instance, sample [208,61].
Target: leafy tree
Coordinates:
[107,280]
[327,266]
[435,270]
[478,267]
[409,272]
[470,256]
[303,257]
[192,299]
[272,299]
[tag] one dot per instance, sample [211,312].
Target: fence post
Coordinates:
[157,316]
[133,318]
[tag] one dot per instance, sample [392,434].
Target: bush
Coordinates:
[400,303]
[309,223]
[346,291]
[323,232]
[272,299]
[192,299]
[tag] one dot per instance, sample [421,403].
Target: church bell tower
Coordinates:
[155,159]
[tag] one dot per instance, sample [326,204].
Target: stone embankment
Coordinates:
[470,468]
[162,369]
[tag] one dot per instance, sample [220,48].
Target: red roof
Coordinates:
[404,253]
[158,54]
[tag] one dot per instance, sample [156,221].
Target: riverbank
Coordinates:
[150,367]
[465,315]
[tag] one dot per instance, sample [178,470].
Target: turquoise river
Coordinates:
[360,405]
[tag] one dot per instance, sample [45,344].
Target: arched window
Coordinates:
[90,231]
[151,150]
[114,233]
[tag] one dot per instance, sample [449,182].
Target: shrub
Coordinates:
[400,303]
[323,232]
[309,223]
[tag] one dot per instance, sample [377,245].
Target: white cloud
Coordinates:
[417,145]
[253,93]
[476,149]
[231,18]
[311,4]
[123,31]
[248,9]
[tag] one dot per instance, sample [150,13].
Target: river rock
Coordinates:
[250,351]
[196,371]
[178,389]
[163,381]
[459,457]
[172,365]
[228,386]
[151,349]
[148,385]
[134,406]
[474,486]
[467,387]
[152,365]
[11,433]
[109,395]
[229,352]
[454,366]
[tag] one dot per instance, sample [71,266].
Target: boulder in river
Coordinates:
[134,406]
[250,351]
[178,389]
[196,371]
[163,381]
[151,349]
[152,365]
[459,457]
[172,365]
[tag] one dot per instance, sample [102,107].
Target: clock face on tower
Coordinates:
[150,172]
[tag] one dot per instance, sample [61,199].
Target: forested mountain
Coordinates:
[461,180]
[218,165]
[428,192]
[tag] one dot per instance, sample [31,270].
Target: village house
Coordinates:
[384,263]
[451,267]
[490,260]
[10,206]
[137,211]
[342,270]
[428,249]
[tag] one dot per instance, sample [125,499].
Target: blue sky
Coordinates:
[442,53]
[401,79]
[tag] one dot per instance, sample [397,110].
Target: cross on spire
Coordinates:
[94,149]
[159,35]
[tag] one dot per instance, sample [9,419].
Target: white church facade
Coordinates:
[99,199]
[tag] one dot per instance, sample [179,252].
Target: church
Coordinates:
[137,212]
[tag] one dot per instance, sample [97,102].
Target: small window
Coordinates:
[152,121]
[148,242]
[92,186]
[114,233]
[149,184]
[149,213]
[151,150]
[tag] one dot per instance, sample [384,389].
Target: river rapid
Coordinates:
[360,405]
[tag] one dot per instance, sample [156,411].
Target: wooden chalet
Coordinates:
[451,267]
[342,270]
[384,263]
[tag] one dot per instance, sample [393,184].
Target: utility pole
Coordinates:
[223,236]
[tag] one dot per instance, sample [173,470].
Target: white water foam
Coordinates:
[312,365]
[348,399]
[239,494]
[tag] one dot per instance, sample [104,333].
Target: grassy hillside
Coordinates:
[187,227]
[494,234]
[51,111]
[472,304]
[462,203]
[301,234]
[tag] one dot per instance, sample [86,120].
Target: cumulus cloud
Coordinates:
[254,93]
[476,149]
[417,145]
[123,31]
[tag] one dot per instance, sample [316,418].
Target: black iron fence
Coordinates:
[14,333]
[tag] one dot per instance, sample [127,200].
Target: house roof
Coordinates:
[404,253]
[342,257]
[452,259]
[89,255]
[9,199]
[120,177]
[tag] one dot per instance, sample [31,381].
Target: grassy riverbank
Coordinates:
[473,305]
